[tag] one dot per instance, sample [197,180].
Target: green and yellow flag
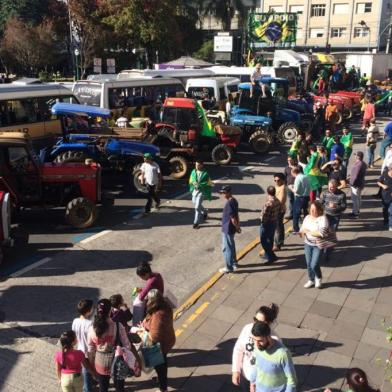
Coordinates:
[276,29]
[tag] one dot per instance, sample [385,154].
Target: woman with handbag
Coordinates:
[103,339]
[159,325]
[317,236]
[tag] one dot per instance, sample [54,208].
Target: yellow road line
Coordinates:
[211,282]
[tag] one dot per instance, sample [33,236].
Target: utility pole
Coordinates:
[389,35]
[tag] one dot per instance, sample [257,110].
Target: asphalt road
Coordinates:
[48,233]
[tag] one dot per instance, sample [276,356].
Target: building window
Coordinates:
[276,8]
[337,32]
[297,8]
[364,8]
[360,32]
[316,33]
[318,10]
[340,8]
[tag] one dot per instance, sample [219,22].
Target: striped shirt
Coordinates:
[274,370]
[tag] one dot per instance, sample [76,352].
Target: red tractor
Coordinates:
[185,127]
[344,105]
[31,184]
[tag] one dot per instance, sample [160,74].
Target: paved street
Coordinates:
[327,330]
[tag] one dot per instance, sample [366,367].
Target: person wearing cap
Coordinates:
[230,226]
[151,176]
[357,182]
[200,186]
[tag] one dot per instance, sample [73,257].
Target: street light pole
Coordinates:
[71,40]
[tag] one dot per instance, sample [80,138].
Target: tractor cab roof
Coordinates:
[62,108]
[182,103]
[264,80]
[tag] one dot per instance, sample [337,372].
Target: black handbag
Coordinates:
[119,369]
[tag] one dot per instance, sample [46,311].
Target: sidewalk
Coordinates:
[326,330]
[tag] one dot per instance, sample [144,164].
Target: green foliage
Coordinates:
[388,361]
[44,76]
[206,52]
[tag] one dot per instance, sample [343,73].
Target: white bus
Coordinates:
[26,107]
[131,97]
[244,73]
[181,74]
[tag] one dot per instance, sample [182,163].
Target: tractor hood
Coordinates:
[248,119]
[126,147]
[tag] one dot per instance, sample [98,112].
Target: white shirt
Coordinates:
[151,172]
[122,122]
[228,108]
[244,358]
[387,160]
[319,224]
[256,75]
[81,327]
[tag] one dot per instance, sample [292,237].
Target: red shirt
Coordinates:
[155,282]
[72,361]
[369,111]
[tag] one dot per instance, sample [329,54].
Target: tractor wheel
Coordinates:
[287,132]
[179,167]
[71,157]
[260,142]
[339,118]
[306,125]
[136,173]
[81,213]
[222,154]
[347,114]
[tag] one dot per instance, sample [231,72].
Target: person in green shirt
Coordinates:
[347,141]
[200,186]
[327,141]
[293,152]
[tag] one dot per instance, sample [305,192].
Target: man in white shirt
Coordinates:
[255,80]
[122,122]
[152,177]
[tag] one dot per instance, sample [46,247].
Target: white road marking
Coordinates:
[31,267]
[270,158]
[246,168]
[95,236]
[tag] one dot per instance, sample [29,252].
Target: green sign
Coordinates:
[277,29]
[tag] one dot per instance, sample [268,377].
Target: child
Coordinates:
[81,326]
[120,312]
[69,363]
[357,381]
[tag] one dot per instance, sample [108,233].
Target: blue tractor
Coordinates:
[111,152]
[279,89]
[257,112]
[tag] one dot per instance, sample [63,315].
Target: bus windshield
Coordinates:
[200,92]
[88,94]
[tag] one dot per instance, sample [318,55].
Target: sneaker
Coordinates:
[205,215]
[308,284]
[196,226]
[276,248]
[318,283]
[235,267]
[224,270]
[158,205]
[354,216]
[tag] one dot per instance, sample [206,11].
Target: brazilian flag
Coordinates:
[272,29]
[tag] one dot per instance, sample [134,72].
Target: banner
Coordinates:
[276,29]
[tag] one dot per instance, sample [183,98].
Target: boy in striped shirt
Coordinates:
[274,370]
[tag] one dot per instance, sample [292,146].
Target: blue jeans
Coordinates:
[228,249]
[300,204]
[197,200]
[370,153]
[279,231]
[387,213]
[386,142]
[312,256]
[267,233]
[87,380]
[290,196]
[333,221]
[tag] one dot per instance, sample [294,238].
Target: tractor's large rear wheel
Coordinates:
[179,167]
[81,213]
[339,118]
[222,154]
[136,176]
[260,142]
[287,132]
[347,114]
[71,157]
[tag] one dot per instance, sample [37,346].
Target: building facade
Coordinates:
[342,24]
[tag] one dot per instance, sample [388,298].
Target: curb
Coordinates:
[214,278]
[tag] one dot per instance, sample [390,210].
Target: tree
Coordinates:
[31,48]
[30,11]
[224,11]
[206,52]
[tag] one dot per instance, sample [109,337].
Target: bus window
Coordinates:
[222,93]
[199,92]
[233,88]
[88,94]
[245,78]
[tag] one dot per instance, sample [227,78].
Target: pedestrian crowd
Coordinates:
[109,341]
